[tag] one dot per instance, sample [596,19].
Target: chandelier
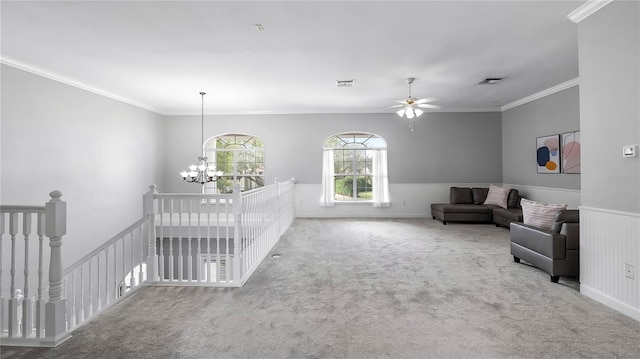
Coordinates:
[201,173]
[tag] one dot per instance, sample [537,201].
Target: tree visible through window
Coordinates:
[353,157]
[240,158]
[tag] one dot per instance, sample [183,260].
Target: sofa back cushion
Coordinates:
[460,195]
[540,215]
[513,199]
[497,196]
[479,194]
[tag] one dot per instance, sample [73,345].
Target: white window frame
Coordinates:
[235,177]
[379,176]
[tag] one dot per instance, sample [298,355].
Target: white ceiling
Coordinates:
[159,55]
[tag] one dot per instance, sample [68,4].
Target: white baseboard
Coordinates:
[610,302]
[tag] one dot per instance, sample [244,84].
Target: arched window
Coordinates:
[240,157]
[355,169]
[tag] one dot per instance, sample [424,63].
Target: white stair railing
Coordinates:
[107,275]
[182,239]
[25,317]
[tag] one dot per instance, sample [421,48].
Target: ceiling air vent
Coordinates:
[491,81]
[345,83]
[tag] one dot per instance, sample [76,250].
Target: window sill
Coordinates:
[353,202]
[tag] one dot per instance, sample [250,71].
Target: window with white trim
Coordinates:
[240,157]
[355,169]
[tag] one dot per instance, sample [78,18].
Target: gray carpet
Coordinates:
[362,288]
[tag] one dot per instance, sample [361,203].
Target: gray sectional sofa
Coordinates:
[467,205]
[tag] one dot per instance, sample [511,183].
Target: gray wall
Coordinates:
[444,147]
[101,153]
[609,44]
[553,114]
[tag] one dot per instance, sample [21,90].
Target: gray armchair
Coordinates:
[555,251]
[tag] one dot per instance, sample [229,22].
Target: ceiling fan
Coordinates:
[411,107]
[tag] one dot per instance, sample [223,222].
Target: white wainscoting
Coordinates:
[608,240]
[408,200]
[549,194]
[413,200]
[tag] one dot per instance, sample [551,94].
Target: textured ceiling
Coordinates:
[159,55]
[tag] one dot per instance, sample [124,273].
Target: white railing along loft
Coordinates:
[182,239]
[217,239]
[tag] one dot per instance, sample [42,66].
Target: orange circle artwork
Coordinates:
[551,165]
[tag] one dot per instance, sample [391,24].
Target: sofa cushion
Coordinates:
[497,195]
[460,195]
[513,199]
[540,215]
[514,214]
[460,208]
[568,216]
[479,194]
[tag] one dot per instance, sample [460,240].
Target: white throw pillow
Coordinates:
[540,214]
[498,196]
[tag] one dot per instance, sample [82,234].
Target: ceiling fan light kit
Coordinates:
[411,107]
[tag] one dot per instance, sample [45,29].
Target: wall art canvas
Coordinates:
[570,149]
[548,154]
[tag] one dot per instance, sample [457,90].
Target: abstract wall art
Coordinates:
[548,154]
[570,150]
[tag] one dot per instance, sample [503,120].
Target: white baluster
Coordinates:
[91,285]
[116,290]
[207,270]
[65,294]
[189,250]
[40,302]
[82,294]
[27,320]
[56,227]
[199,244]
[228,228]
[237,236]
[98,283]
[161,270]
[154,259]
[74,298]
[106,277]
[171,234]
[13,302]
[180,259]
[132,281]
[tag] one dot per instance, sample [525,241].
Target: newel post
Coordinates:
[55,228]
[149,212]
[237,234]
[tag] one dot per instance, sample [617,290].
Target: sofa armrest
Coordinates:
[545,242]
[572,232]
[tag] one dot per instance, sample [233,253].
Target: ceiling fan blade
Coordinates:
[423,100]
[384,108]
[426,105]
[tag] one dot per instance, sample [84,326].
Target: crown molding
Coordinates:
[53,76]
[541,94]
[587,9]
